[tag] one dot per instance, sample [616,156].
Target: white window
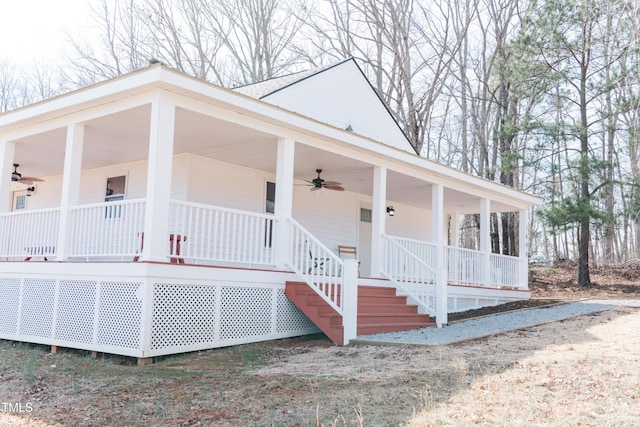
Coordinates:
[270,205]
[115,188]
[114,192]
[19,200]
[365,215]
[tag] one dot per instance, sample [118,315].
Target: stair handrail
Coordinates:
[317,265]
[400,267]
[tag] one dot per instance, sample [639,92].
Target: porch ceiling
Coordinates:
[123,137]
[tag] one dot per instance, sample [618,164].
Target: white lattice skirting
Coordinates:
[146,317]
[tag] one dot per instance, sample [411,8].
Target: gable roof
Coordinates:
[264,88]
[340,95]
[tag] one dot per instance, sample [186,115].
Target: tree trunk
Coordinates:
[585,221]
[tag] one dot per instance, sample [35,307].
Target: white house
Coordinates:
[156,213]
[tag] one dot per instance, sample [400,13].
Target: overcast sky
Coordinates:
[34,29]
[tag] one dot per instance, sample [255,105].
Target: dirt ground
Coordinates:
[581,371]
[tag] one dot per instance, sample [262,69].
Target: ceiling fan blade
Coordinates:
[334,187]
[30,178]
[319,183]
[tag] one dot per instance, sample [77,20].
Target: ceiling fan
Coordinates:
[319,183]
[26,180]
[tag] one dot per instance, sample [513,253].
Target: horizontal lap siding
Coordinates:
[409,222]
[92,185]
[329,215]
[358,106]
[47,194]
[224,184]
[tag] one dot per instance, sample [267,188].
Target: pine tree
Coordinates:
[567,38]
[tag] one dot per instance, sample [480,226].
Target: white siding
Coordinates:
[47,194]
[409,222]
[342,97]
[93,184]
[223,184]
[94,181]
[332,216]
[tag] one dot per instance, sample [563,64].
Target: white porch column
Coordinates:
[159,177]
[70,186]
[523,246]
[437,237]
[378,218]
[7,151]
[485,240]
[350,298]
[284,200]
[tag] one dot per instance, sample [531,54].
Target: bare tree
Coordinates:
[229,42]
[407,49]
[9,87]
[117,49]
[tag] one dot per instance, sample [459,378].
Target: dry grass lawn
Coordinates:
[582,371]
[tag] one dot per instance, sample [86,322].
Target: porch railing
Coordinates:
[505,272]
[217,234]
[109,229]
[425,251]
[406,265]
[29,234]
[318,265]
[464,266]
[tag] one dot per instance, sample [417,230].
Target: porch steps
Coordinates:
[379,310]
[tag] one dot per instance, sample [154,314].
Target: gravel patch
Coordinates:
[494,324]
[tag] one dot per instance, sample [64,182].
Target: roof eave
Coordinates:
[159,76]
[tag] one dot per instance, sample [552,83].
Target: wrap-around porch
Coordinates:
[204,235]
[210,235]
[214,187]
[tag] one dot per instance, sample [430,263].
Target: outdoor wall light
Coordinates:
[391,211]
[30,191]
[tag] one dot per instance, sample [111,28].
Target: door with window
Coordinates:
[364,238]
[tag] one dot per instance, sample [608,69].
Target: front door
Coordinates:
[364,239]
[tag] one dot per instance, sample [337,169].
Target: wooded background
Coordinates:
[543,96]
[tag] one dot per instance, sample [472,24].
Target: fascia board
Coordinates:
[49,122]
[109,91]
